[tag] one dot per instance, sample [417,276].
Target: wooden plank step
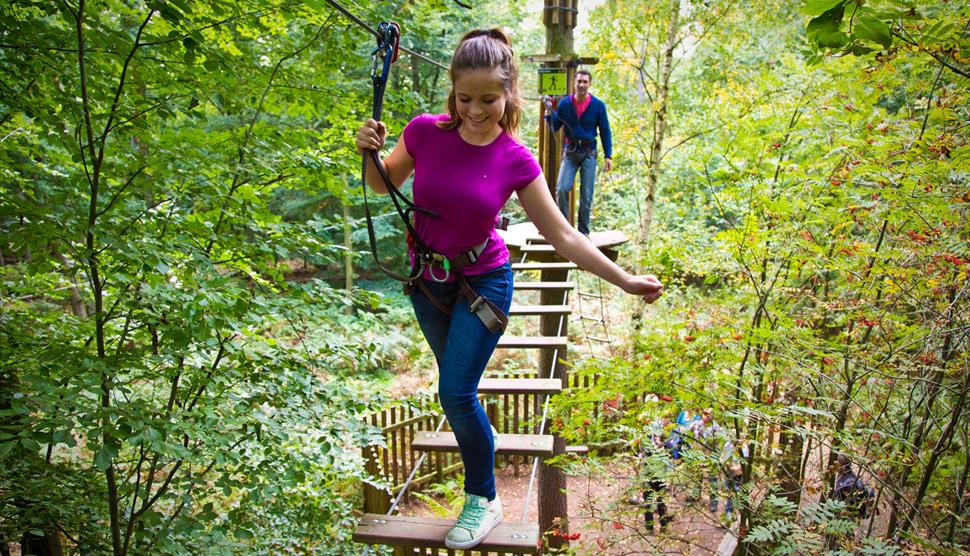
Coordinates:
[540,310]
[602,240]
[545,285]
[544,266]
[509,444]
[579,450]
[395,530]
[538,248]
[520,386]
[541,342]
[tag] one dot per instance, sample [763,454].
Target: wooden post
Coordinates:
[348,253]
[559,17]
[553,504]
[375,500]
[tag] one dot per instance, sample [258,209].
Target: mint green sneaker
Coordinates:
[494,438]
[477,519]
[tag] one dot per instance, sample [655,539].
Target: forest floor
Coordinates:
[600,510]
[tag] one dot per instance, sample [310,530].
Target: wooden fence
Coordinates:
[393,462]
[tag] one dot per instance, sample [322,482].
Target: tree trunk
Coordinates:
[941,446]
[789,465]
[659,123]
[348,252]
[959,504]
[415,74]
[78,307]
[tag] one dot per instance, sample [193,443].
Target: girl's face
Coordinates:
[480,99]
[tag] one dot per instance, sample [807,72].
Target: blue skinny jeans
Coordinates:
[587,177]
[462,346]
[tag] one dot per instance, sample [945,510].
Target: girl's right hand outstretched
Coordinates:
[371,136]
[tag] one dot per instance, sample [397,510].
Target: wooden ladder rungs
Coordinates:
[509,444]
[518,310]
[544,266]
[545,285]
[429,532]
[541,342]
[520,386]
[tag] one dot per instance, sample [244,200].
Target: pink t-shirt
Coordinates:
[467,185]
[581,106]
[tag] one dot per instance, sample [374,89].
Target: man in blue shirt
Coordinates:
[583,115]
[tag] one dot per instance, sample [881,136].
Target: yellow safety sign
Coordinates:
[552,81]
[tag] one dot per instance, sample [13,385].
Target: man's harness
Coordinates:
[425,259]
[578,150]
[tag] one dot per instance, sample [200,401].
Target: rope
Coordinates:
[602,320]
[604,315]
[374,32]
[417,466]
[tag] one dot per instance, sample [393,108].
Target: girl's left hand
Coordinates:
[647,286]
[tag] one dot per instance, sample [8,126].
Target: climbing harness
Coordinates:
[424,258]
[489,313]
[578,150]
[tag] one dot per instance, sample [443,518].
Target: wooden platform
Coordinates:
[508,536]
[525,233]
[524,239]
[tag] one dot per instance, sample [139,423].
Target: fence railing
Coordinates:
[393,462]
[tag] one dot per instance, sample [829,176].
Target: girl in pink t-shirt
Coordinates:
[466,165]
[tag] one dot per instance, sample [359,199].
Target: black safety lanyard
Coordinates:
[490,314]
[384,55]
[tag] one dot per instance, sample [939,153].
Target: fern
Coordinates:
[771,532]
[878,547]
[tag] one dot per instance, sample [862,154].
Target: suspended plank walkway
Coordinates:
[425,535]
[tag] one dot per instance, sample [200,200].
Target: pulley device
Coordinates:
[388,45]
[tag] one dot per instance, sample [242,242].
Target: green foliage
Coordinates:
[444,499]
[840,27]
[810,225]
[163,167]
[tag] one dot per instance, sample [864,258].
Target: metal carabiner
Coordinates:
[445,264]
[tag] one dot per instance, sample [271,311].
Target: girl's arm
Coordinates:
[567,241]
[398,164]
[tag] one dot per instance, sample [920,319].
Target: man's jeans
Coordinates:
[587,177]
[462,345]
[732,485]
